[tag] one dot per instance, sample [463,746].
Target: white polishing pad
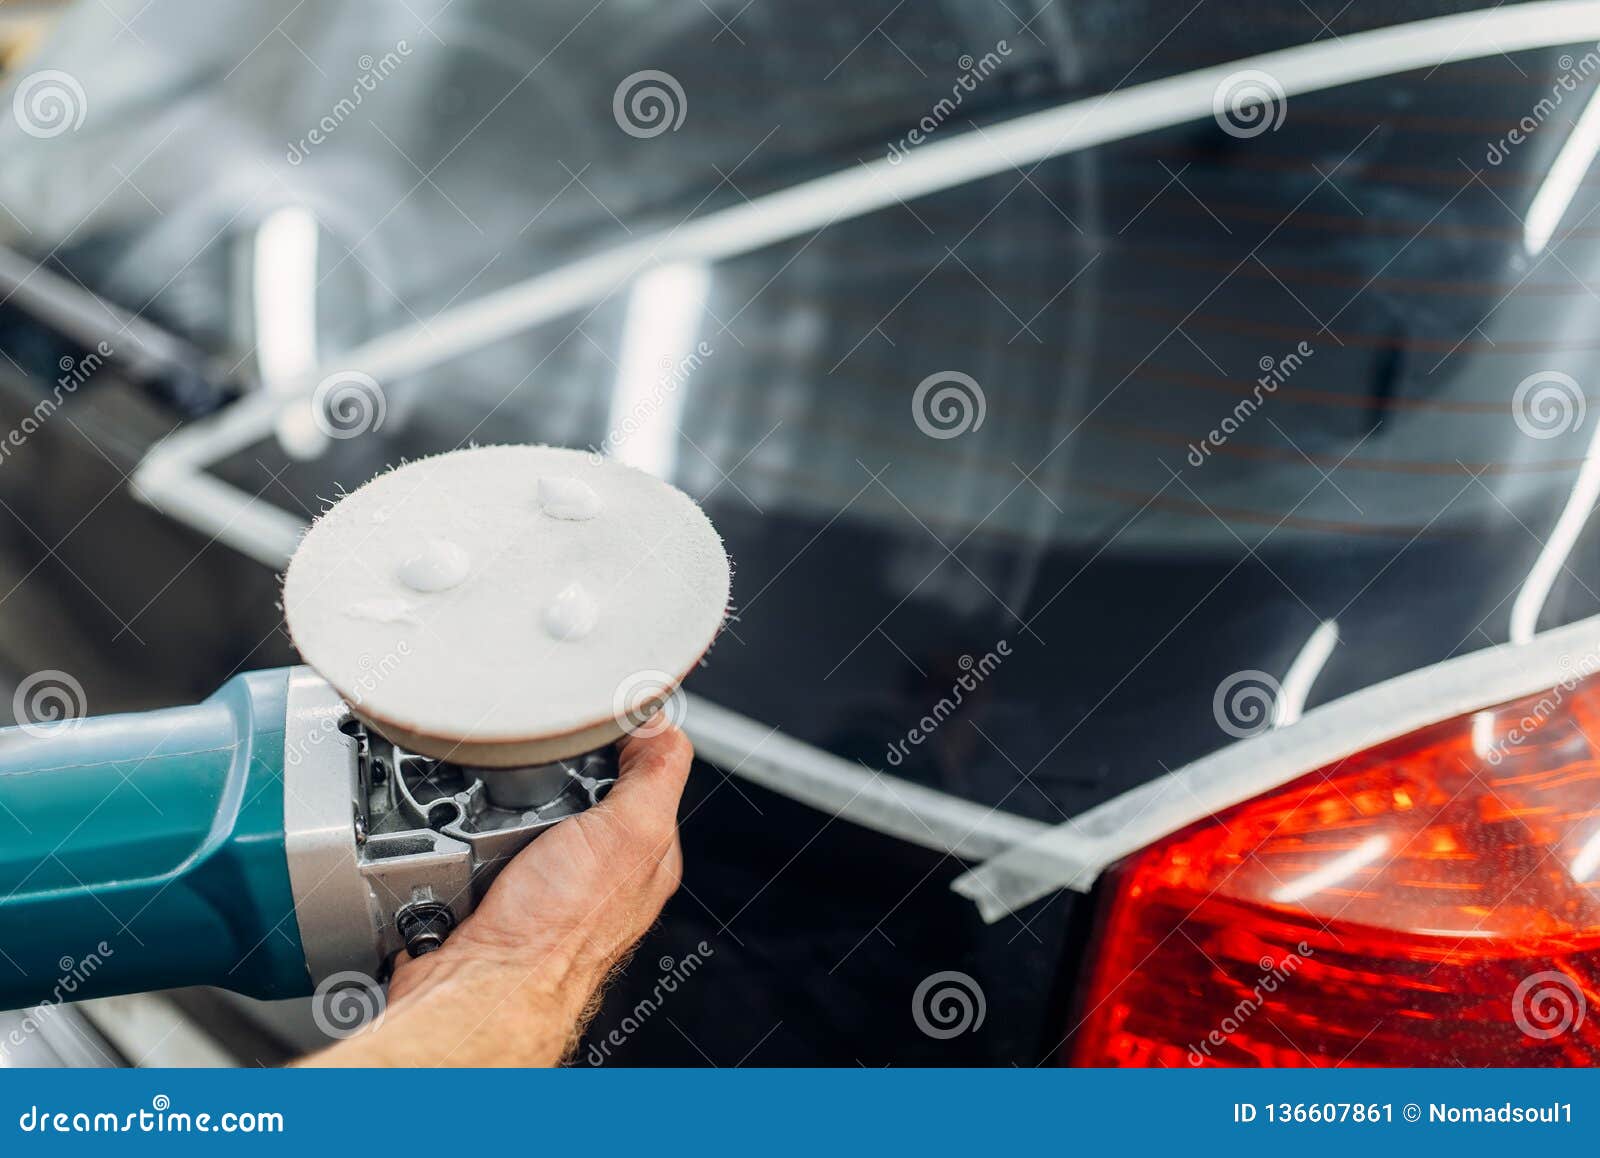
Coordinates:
[507,605]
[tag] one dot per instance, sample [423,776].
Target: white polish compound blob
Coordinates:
[438,566]
[564,497]
[572,614]
[549,623]
[384,610]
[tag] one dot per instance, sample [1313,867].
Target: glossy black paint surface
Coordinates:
[1114,305]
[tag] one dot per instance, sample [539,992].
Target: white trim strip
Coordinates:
[172,478]
[1072,855]
[923,816]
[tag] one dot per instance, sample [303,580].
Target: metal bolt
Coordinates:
[424,925]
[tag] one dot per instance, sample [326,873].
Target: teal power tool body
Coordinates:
[264,841]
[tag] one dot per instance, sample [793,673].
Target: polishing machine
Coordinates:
[265,840]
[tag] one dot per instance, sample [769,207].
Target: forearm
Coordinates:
[472,1012]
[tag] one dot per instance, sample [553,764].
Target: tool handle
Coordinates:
[145,851]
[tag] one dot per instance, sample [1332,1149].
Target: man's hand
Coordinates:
[514,984]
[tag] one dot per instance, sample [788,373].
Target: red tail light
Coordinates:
[1433,901]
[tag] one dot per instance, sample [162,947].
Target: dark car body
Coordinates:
[1115,303]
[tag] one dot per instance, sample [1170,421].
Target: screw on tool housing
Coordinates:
[424,925]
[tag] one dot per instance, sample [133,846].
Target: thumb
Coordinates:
[651,774]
